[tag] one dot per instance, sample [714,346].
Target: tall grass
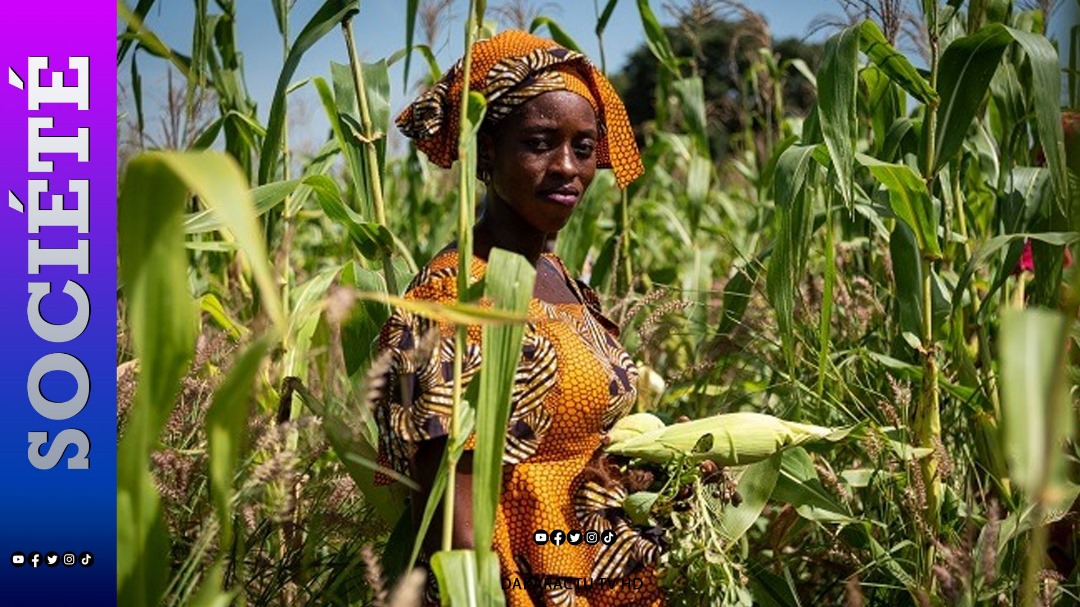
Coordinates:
[861,267]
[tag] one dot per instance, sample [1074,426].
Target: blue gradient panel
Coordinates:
[58,509]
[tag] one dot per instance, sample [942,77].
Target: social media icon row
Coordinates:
[557,537]
[51,559]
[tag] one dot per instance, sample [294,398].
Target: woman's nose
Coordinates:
[565,161]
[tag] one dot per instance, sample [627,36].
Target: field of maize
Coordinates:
[868,308]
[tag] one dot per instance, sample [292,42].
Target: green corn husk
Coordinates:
[633,426]
[730,439]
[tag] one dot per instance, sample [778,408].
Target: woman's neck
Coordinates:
[500,226]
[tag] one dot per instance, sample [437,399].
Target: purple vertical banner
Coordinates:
[58,279]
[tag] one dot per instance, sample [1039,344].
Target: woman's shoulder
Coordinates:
[437,280]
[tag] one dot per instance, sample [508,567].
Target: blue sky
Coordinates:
[380,31]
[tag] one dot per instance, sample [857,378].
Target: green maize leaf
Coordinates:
[208,136]
[329,16]
[656,39]
[475,108]
[994,245]
[377,90]
[756,484]
[907,274]
[209,593]
[162,317]
[737,295]
[210,304]
[455,313]
[509,285]
[281,15]
[264,198]
[136,93]
[836,111]
[887,560]
[894,63]
[798,484]
[349,146]
[1035,411]
[913,373]
[1046,96]
[226,430]
[149,41]
[303,320]
[371,239]
[395,554]
[791,171]
[1059,504]
[216,179]
[558,34]
[691,95]
[983,147]
[793,221]
[901,139]
[213,246]
[771,590]
[883,101]
[605,16]
[360,330]
[457,573]
[140,12]
[909,200]
[412,9]
[964,74]
[425,50]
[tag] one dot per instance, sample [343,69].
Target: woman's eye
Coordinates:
[537,144]
[585,148]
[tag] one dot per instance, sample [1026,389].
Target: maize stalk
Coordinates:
[633,426]
[730,439]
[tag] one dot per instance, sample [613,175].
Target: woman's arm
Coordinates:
[426,466]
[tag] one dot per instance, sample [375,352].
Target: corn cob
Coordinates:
[634,425]
[730,439]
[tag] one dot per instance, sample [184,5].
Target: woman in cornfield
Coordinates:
[552,120]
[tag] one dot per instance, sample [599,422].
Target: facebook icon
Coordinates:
[558,537]
[35,559]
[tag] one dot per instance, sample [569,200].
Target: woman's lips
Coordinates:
[568,198]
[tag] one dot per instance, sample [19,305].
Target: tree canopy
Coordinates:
[722,53]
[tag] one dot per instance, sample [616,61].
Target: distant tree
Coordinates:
[721,51]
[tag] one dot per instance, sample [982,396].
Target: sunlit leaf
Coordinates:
[328,17]
[1035,410]
[910,201]
[162,317]
[894,63]
[226,432]
[558,34]
[756,484]
[509,284]
[965,70]
[836,111]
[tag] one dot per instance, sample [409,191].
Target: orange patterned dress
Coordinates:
[574,381]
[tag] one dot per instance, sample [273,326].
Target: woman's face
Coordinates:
[543,157]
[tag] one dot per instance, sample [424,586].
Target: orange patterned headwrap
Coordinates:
[509,69]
